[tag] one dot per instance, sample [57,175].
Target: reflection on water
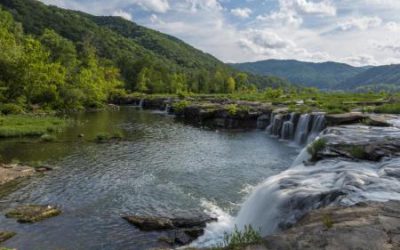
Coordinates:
[161,168]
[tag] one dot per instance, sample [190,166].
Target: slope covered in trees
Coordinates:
[48,71]
[377,78]
[148,61]
[326,75]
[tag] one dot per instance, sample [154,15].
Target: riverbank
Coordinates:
[30,125]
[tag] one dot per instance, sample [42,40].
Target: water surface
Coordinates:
[161,168]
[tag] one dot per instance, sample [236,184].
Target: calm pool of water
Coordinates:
[163,167]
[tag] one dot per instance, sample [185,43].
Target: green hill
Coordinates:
[382,77]
[148,60]
[327,75]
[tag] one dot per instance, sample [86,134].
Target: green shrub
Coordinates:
[178,107]
[316,147]
[232,109]
[11,109]
[239,238]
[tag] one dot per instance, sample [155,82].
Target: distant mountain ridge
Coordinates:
[326,75]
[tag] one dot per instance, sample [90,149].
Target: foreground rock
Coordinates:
[33,213]
[11,176]
[6,235]
[366,226]
[180,231]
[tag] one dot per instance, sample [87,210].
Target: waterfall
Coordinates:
[271,125]
[282,199]
[302,129]
[141,102]
[167,108]
[319,124]
[288,128]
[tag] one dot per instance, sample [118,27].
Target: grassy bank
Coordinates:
[304,100]
[29,125]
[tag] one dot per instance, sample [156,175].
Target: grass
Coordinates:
[358,152]
[393,108]
[29,125]
[327,221]
[239,239]
[105,137]
[316,147]
[305,100]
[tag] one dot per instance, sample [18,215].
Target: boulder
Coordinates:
[150,223]
[33,213]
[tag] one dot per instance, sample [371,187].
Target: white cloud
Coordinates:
[358,32]
[122,14]
[360,23]
[323,8]
[242,12]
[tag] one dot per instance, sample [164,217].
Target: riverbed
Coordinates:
[161,167]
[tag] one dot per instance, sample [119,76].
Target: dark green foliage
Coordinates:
[321,75]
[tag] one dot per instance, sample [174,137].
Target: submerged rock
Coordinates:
[6,235]
[33,213]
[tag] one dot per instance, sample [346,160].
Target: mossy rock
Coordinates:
[5,236]
[33,213]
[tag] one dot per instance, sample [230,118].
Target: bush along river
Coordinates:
[162,183]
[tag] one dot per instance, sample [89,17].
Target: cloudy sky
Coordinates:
[358,32]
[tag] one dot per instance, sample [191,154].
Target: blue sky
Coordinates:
[358,32]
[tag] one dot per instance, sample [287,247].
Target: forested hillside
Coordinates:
[326,75]
[49,71]
[377,78]
[148,61]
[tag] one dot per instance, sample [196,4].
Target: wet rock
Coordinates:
[6,235]
[181,231]
[150,223]
[33,213]
[364,226]
[347,118]
[360,142]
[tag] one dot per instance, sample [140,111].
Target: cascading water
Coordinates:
[288,128]
[281,200]
[141,103]
[302,129]
[319,124]
[271,125]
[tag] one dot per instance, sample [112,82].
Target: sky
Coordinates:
[357,32]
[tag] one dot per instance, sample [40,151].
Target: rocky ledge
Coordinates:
[359,142]
[6,235]
[178,231]
[364,226]
[11,176]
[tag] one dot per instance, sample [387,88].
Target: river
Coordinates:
[162,167]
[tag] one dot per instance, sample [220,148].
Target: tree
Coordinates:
[230,85]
